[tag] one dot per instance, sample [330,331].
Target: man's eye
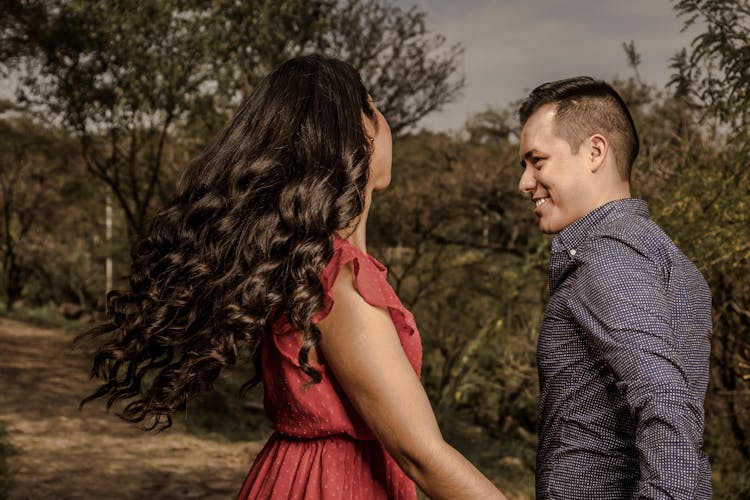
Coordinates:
[535,160]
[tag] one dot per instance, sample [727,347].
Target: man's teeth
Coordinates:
[541,201]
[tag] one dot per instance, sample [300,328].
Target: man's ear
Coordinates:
[598,151]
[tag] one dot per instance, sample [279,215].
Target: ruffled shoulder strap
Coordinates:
[369,280]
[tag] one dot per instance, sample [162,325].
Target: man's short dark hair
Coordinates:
[584,107]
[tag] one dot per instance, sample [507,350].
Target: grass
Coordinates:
[47,316]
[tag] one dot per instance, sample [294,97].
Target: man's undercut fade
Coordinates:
[584,107]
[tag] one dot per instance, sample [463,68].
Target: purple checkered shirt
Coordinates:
[623,361]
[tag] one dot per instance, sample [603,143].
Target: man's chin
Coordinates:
[547,228]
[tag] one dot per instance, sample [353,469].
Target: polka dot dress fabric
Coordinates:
[321,447]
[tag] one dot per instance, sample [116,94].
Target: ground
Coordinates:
[61,452]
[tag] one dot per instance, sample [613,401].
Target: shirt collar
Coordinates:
[575,234]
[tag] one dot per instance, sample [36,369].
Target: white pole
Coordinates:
[109,242]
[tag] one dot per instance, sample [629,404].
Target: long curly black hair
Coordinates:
[244,240]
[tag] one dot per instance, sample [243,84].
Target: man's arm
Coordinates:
[620,300]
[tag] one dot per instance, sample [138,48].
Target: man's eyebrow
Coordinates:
[527,155]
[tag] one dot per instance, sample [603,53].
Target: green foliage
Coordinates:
[141,87]
[49,210]
[716,68]
[714,77]
[692,172]
[407,69]
[224,412]
[34,177]
[507,460]
[129,77]
[455,235]
[121,75]
[45,316]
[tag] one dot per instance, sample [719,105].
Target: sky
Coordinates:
[512,46]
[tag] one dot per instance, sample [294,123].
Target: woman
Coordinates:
[264,249]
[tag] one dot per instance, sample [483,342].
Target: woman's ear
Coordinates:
[370,126]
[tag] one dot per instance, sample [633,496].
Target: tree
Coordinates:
[407,69]
[32,168]
[693,170]
[716,69]
[455,235]
[123,74]
[127,76]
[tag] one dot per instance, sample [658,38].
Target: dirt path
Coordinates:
[65,453]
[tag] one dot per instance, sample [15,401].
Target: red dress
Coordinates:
[321,447]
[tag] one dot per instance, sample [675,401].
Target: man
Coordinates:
[624,345]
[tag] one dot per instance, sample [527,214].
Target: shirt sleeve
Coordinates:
[620,299]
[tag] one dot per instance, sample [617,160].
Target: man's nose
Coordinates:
[527,182]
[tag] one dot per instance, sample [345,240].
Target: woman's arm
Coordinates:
[362,348]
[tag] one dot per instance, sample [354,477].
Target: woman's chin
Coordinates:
[381,185]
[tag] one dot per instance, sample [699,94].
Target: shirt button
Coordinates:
[572,252]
